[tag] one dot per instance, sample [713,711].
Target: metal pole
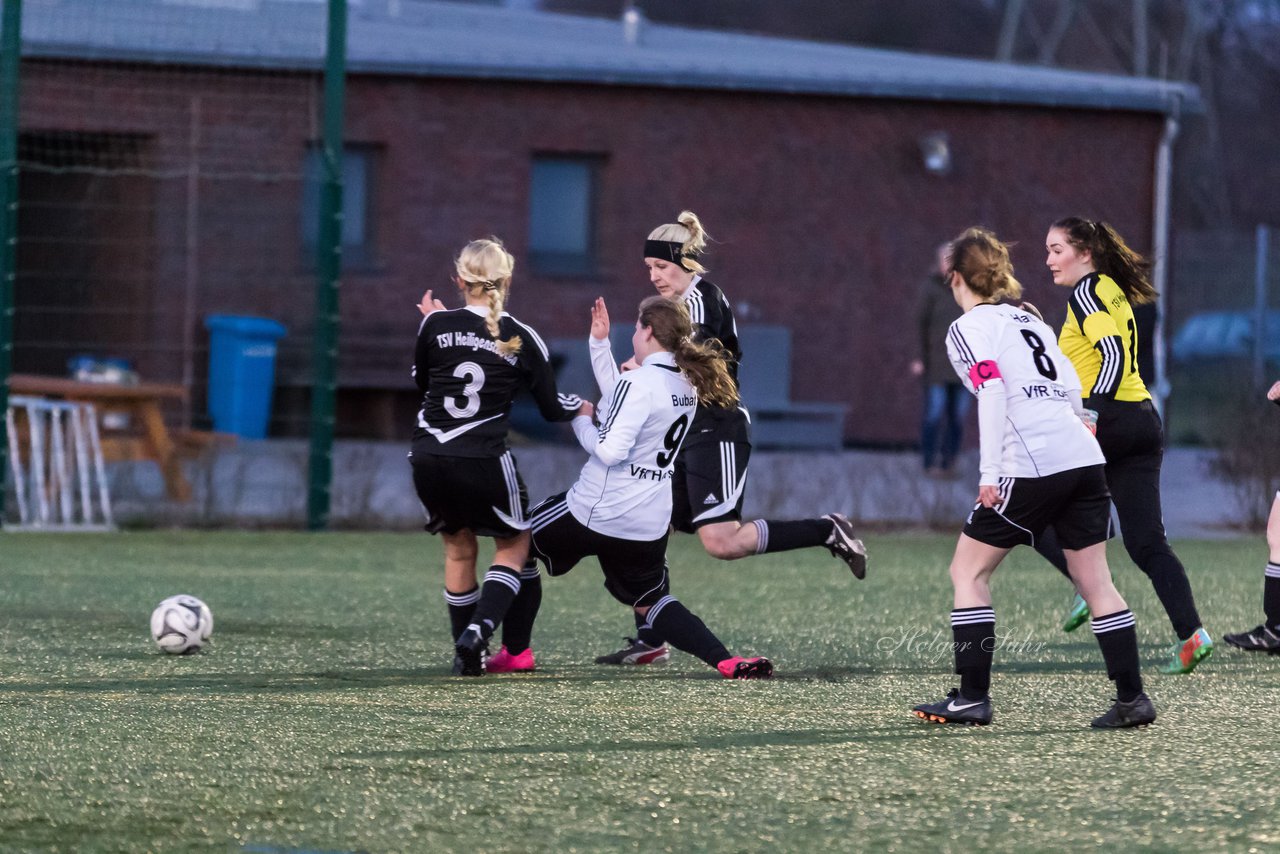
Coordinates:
[328,270]
[1262,240]
[10,60]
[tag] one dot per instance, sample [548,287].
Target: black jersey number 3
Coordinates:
[1044,364]
[473,377]
[671,441]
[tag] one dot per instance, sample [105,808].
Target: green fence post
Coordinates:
[328,271]
[10,62]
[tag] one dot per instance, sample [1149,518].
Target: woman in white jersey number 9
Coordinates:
[619,510]
[1040,467]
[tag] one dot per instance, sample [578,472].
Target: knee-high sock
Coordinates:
[974,632]
[501,584]
[646,633]
[1173,589]
[784,536]
[1271,596]
[1049,548]
[461,607]
[1118,637]
[517,628]
[685,631]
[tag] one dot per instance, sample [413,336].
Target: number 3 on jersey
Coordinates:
[671,441]
[473,375]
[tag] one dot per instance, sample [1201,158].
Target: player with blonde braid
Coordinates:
[469,364]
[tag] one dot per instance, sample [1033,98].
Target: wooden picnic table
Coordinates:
[140,401]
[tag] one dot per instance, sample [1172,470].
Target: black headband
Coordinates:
[667,250]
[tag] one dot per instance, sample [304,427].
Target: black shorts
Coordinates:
[635,571]
[710,475]
[1076,503]
[484,495]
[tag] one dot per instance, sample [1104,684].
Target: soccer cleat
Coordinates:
[954,709]
[505,662]
[1079,614]
[1138,712]
[1188,653]
[1262,639]
[745,668]
[844,545]
[636,652]
[470,650]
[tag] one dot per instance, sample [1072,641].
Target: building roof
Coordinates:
[488,41]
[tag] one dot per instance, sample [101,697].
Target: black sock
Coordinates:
[1173,589]
[517,628]
[797,534]
[461,607]
[1118,638]
[1049,548]
[685,631]
[501,584]
[1271,595]
[973,631]
[646,633]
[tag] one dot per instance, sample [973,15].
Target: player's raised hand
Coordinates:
[1273,393]
[429,305]
[599,320]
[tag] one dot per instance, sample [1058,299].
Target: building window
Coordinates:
[357,204]
[562,215]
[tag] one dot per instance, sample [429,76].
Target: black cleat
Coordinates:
[1262,639]
[470,649]
[954,709]
[1138,712]
[844,545]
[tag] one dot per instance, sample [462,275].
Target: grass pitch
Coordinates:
[322,717]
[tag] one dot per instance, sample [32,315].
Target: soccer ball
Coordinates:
[181,624]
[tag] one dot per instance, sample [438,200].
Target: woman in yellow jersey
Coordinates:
[1099,336]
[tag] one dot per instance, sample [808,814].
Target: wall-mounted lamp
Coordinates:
[935,151]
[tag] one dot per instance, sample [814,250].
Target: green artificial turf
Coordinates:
[322,717]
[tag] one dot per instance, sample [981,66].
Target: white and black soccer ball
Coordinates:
[181,624]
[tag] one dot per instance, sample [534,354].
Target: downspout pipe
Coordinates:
[1160,247]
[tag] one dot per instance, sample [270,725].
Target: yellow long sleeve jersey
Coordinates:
[1100,338]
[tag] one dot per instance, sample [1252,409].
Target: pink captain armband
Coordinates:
[984,372]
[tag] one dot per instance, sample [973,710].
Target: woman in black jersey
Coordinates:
[469,363]
[1100,337]
[711,470]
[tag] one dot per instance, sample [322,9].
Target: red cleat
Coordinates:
[505,662]
[745,668]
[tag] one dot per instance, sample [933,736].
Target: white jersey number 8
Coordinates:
[473,374]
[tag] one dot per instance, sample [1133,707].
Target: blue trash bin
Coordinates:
[242,367]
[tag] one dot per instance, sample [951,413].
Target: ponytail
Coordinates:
[983,261]
[687,231]
[1111,256]
[486,266]
[706,365]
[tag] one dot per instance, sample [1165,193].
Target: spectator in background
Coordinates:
[946,402]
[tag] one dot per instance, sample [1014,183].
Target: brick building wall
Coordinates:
[823,215]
